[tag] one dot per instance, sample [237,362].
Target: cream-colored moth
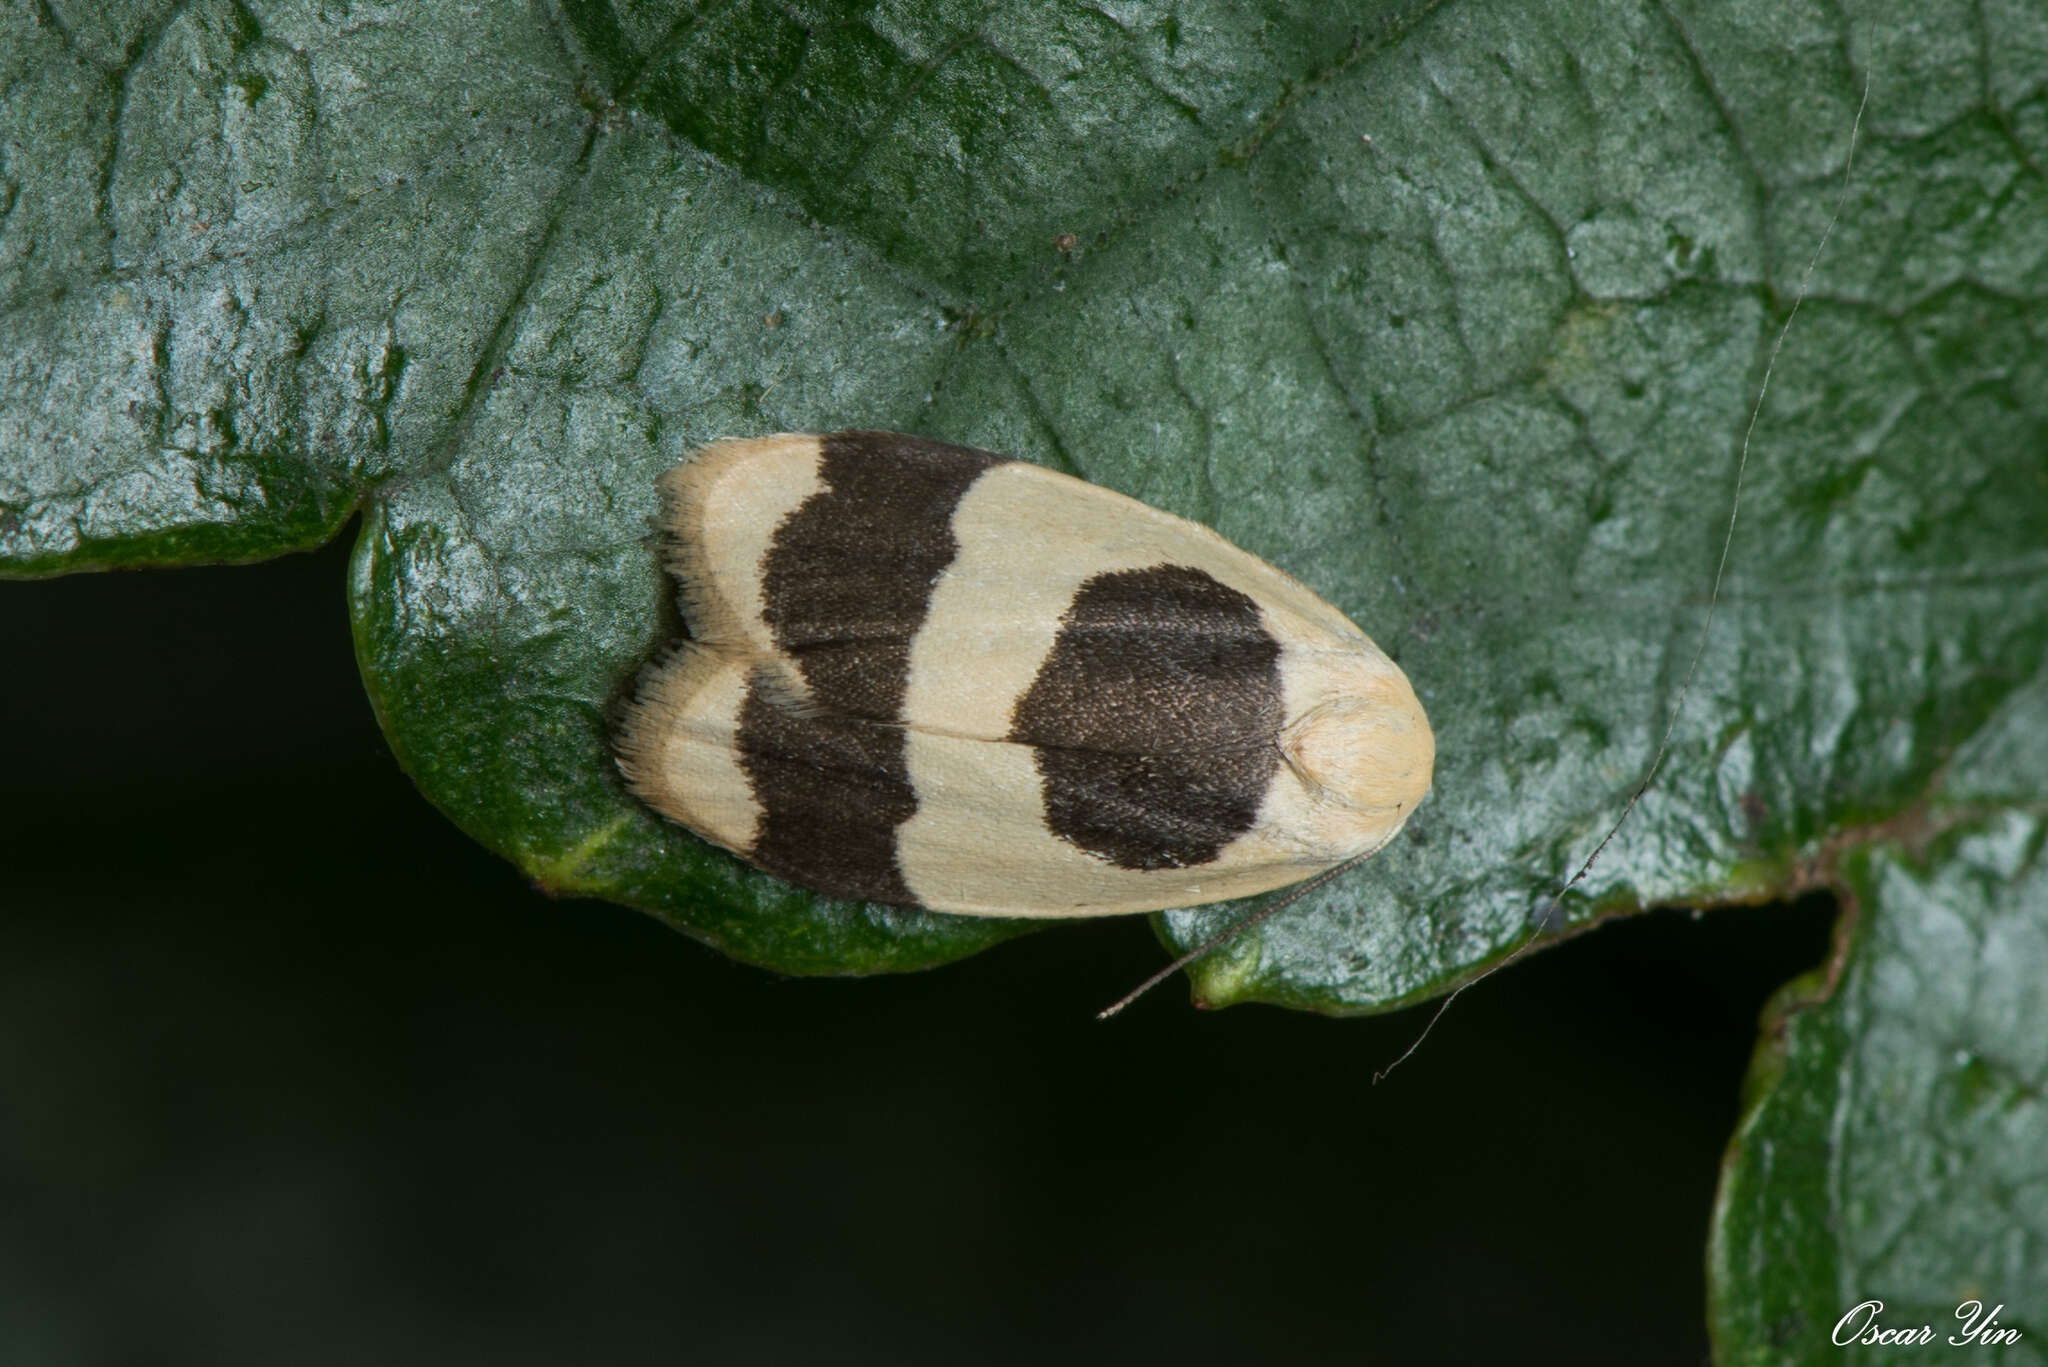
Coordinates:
[924,675]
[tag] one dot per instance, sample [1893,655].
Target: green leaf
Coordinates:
[1891,1146]
[1455,312]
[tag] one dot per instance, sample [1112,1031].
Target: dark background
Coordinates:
[290,1071]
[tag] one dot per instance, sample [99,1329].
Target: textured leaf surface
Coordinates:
[1894,1145]
[1453,311]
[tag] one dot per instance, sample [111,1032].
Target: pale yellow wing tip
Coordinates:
[678,747]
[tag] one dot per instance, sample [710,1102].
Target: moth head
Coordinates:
[1368,748]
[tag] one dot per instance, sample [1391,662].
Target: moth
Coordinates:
[924,675]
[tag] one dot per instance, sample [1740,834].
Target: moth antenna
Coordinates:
[1553,908]
[1231,932]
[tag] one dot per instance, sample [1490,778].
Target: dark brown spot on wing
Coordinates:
[1156,717]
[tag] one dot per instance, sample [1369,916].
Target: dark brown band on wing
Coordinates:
[1156,718]
[846,584]
[848,579]
[833,790]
